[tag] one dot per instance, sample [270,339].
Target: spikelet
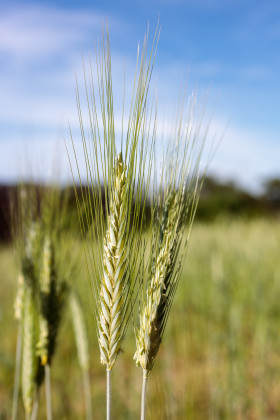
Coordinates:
[46,272]
[113,285]
[28,351]
[31,254]
[19,300]
[32,240]
[156,307]
[42,343]
[80,331]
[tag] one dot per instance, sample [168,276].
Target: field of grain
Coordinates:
[220,356]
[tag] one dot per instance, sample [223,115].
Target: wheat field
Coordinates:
[219,358]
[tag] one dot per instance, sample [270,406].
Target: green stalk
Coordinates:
[17,373]
[35,406]
[109,394]
[48,391]
[86,383]
[82,348]
[143,398]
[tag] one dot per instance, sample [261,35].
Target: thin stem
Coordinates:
[17,373]
[86,383]
[109,394]
[48,392]
[143,398]
[35,406]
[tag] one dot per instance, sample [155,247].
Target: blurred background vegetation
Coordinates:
[217,199]
[220,357]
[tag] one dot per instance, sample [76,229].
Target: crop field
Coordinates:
[220,355]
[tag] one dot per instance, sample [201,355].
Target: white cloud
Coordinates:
[34,32]
[244,155]
[41,49]
[255,73]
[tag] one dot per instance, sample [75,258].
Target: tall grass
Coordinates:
[224,364]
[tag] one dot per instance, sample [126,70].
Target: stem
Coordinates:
[86,383]
[35,406]
[48,392]
[109,394]
[143,398]
[17,373]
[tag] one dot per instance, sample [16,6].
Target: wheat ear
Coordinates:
[19,300]
[110,247]
[25,307]
[160,290]
[45,289]
[113,291]
[52,299]
[113,285]
[156,306]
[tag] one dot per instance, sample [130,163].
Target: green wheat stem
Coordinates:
[82,348]
[48,391]
[17,373]
[86,384]
[35,406]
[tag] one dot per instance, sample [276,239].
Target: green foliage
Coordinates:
[219,199]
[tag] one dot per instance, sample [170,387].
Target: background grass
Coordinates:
[220,356]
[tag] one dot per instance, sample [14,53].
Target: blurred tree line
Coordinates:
[217,199]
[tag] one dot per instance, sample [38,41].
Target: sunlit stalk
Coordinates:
[48,391]
[17,373]
[86,383]
[108,395]
[35,406]
[143,397]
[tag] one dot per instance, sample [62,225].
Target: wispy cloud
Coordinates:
[244,156]
[254,73]
[40,51]
[33,33]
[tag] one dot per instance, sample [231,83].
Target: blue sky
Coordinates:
[229,48]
